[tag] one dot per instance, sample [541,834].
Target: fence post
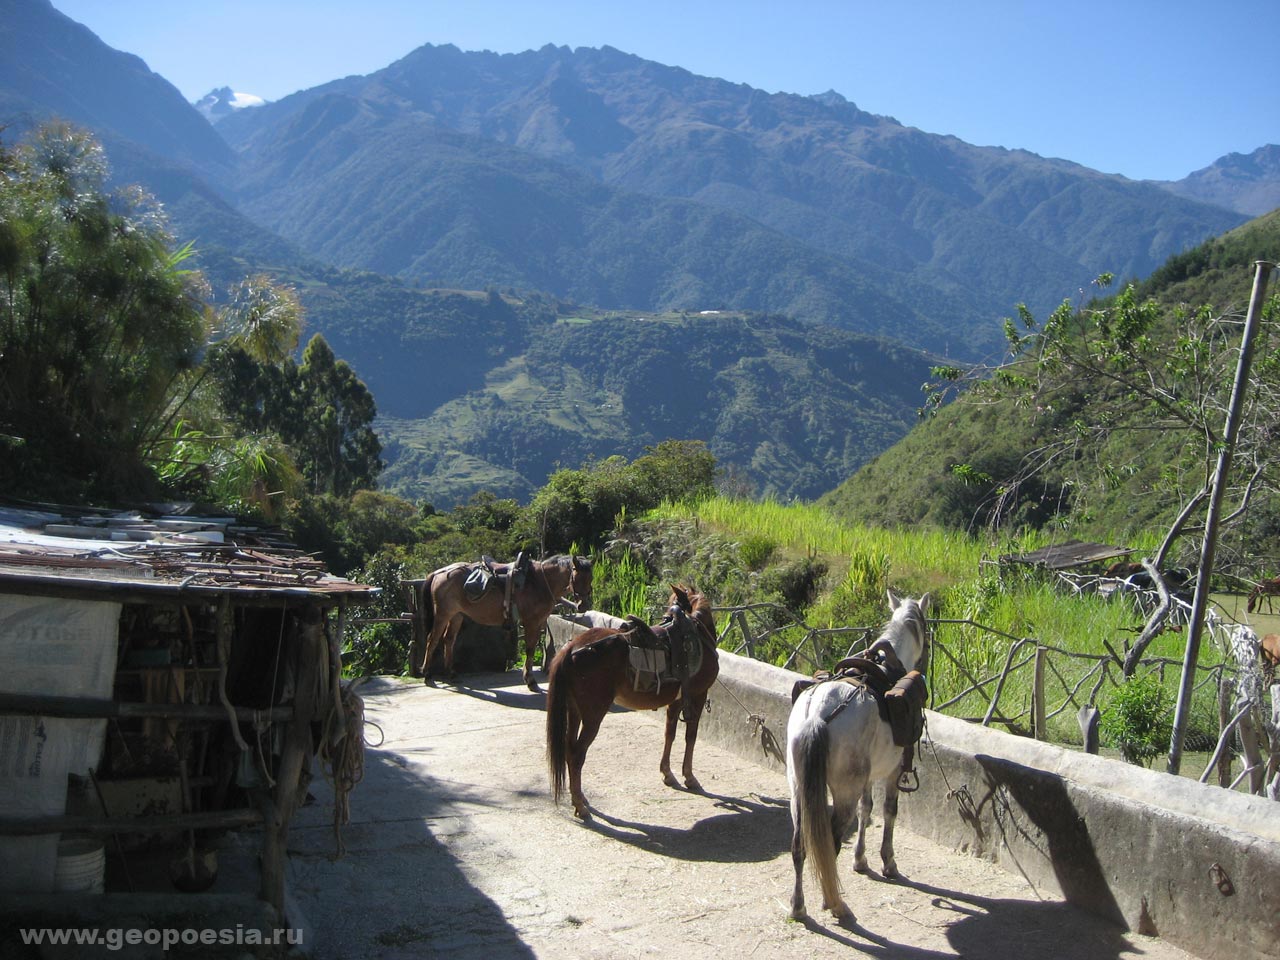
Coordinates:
[1204,573]
[1037,695]
[740,618]
[1004,675]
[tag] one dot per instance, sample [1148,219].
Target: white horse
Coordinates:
[836,741]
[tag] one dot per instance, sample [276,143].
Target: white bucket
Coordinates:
[81,866]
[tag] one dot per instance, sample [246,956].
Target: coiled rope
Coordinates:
[343,761]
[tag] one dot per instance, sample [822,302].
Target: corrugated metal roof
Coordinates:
[1072,553]
[153,555]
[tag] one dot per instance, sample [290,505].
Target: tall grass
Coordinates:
[1004,605]
[921,558]
[620,586]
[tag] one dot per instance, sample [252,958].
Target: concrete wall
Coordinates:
[1194,864]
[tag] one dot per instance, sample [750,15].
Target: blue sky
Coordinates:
[1150,90]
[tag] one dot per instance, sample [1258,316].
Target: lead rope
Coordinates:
[343,762]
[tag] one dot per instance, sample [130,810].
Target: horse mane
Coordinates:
[695,604]
[577,558]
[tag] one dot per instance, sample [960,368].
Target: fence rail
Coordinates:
[1060,679]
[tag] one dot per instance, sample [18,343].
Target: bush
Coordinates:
[797,583]
[756,550]
[620,587]
[1138,720]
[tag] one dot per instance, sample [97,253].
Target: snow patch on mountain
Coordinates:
[224,101]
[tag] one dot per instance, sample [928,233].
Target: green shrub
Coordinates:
[796,583]
[620,586]
[1138,720]
[756,550]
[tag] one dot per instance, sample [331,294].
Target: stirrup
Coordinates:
[905,779]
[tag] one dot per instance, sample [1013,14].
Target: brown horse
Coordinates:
[593,671]
[1263,591]
[445,603]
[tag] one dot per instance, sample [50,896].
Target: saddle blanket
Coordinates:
[650,669]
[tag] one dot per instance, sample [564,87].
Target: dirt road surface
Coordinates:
[455,850]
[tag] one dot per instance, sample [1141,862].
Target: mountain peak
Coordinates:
[223,101]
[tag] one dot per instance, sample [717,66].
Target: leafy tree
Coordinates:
[1160,378]
[100,325]
[347,531]
[337,448]
[581,506]
[322,411]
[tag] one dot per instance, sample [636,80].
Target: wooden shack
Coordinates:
[166,678]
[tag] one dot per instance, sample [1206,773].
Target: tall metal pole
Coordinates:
[1201,601]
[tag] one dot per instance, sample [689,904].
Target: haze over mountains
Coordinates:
[601,179]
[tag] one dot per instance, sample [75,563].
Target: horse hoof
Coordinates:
[890,872]
[532,684]
[692,785]
[861,866]
[798,913]
[670,780]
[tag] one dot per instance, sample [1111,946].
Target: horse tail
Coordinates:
[558,682]
[809,761]
[428,604]
[422,630]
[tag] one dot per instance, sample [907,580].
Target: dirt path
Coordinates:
[455,850]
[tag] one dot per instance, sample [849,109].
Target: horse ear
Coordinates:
[894,601]
[925,602]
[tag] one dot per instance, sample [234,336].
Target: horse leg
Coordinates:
[450,638]
[797,859]
[439,630]
[590,726]
[692,717]
[664,766]
[864,817]
[844,815]
[890,815]
[531,637]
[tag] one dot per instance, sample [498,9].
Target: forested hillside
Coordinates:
[511,194]
[1032,455]
[786,408]
[605,178]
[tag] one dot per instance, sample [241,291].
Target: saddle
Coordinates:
[670,652]
[900,695]
[490,574]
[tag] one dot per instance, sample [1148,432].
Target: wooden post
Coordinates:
[1037,696]
[335,676]
[1088,717]
[419,593]
[1004,675]
[308,648]
[740,618]
[1226,693]
[1204,573]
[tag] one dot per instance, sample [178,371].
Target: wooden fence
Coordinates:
[1059,680]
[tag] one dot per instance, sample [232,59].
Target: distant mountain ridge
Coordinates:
[51,66]
[1246,183]
[956,233]
[601,178]
[916,480]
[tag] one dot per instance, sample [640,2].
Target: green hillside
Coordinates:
[787,408]
[972,462]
